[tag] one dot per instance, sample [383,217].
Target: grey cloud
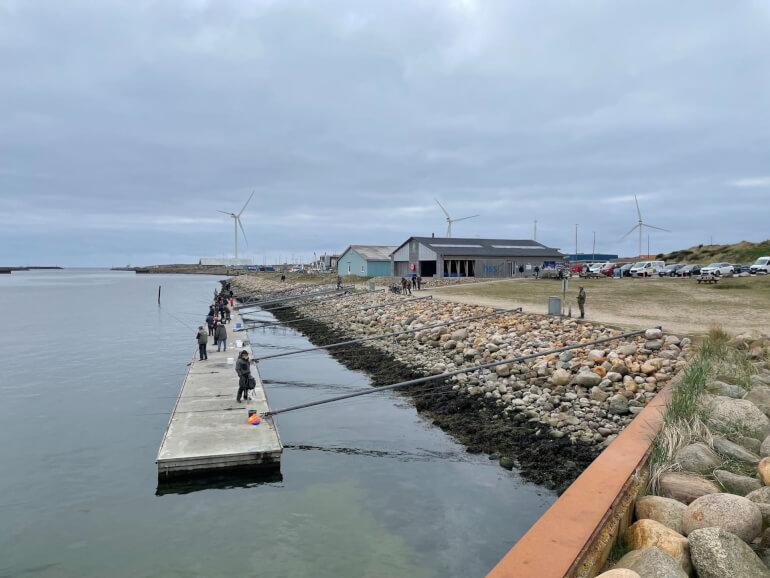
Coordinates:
[124,125]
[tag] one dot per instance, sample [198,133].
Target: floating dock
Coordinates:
[208,433]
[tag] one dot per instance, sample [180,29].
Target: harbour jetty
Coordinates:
[208,432]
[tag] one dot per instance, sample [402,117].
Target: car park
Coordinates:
[646,268]
[717,269]
[742,270]
[761,266]
[670,270]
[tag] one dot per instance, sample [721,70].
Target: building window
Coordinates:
[362,267]
[348,268]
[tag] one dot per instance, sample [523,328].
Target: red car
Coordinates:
[577,268]
[608,269]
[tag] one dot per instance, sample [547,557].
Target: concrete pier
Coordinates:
[208,432]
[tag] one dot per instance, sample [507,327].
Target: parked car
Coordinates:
[670,270]
[761,266]
[576,268]
[608,269]
[625,270]
[689,270]
[597,267]
[717,269]
[646,268]
[739,269]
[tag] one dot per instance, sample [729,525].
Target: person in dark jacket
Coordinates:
[243,369]
[581,300]
[203,339]
[220,336]
[227,313]
[419,282]
[210,323]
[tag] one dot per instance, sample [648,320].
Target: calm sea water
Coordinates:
[90,369]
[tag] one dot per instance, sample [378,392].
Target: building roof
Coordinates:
[372,252]
[485,247]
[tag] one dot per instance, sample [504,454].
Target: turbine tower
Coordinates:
[237,223]
[640,225]
[450,220]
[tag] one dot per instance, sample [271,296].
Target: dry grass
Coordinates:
[679,305]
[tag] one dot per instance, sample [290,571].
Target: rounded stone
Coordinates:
[619,573]
[734,514]
[716,553]
[764,471]
[652,534]
[685,487]
[698,458]
[667,511]
[651,563]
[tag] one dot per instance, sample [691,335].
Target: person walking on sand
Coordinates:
[220,336]
[243,369]
[581,299]
[203,339]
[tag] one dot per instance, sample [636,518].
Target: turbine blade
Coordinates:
[247,202]
[631,231]
[245,240]
[224,212]
[657,228]
[442,208]
[463,218]
[638,211]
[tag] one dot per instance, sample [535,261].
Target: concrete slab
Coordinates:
[208,432]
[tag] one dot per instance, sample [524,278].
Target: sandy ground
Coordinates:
[679,305]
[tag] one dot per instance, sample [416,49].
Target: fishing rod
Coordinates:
[449,374]
[391,334]
[262,324]
[344,289]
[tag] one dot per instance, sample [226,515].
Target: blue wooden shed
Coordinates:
[365,261]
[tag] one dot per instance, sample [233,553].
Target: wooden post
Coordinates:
[159,286]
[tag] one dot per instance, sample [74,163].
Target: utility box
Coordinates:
[554,306]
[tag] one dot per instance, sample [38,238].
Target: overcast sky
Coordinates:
[124,126]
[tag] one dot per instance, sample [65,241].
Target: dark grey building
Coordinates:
[445,257]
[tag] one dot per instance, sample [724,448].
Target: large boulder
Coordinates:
[727,389]
[736,484]
[698,458]
[734,514]
[734,451]
[652,534]
[716,553]
[760,496]
[651,563]
[685,487]
[739,414]
[664,510]
[760,396]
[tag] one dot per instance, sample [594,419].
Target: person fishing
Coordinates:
[210,322]
[220,336]
[243,369]
[203,339]
[581,299]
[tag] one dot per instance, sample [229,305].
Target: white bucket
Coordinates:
[230,360]
[238,343]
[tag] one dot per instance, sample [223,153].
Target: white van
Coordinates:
[646,268]
[761,266]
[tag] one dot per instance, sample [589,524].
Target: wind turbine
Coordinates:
[237,223]
[450,220]
[640,224]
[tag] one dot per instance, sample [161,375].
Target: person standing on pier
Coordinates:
[220,336]
[227,313]
[203,339]
[210,322]
[243,369]
[581,299]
